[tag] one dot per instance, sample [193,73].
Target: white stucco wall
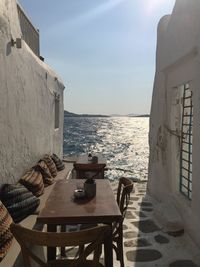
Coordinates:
[177,63]
[27,102]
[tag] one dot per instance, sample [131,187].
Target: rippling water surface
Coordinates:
[122,140]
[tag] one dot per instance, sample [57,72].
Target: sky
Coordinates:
[103,50]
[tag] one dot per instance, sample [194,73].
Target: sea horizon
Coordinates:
[123,141]
[72,114]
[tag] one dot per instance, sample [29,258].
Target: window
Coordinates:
[57,111]
[186,143]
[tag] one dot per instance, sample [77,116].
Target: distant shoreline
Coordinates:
[70,114]
[143,116]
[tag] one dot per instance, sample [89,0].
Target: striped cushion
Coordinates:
[47,178]
[18,200]
[51,165]
[58,162]
[33,181]
[5,234]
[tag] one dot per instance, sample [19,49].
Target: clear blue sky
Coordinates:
[104,50]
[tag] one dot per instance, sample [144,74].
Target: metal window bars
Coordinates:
[186,143]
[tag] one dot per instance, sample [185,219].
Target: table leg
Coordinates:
[108,251]
[51,251]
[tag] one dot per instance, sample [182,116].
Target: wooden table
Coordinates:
[86,169]
[61,209]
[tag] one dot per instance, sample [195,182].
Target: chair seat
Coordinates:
[66,263]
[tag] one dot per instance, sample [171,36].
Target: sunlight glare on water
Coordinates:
[122,140]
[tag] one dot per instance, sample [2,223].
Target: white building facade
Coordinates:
[31,97]
[174,164]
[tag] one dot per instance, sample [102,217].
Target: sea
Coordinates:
[123,141]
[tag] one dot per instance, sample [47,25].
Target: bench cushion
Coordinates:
[58,162]
[46,174]
[14,257]
[5,234]
[33,181]
[51,165]
[18,200]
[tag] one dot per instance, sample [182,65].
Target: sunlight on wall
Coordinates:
[151,6]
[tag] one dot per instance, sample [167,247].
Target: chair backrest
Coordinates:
[92,239]
[125,187]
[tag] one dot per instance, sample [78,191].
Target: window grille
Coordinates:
[186,143]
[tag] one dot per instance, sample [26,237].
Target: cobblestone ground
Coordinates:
[145,244]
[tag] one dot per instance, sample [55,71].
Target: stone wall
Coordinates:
[27,101]
[177,63]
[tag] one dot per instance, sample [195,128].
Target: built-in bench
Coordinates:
[14,257]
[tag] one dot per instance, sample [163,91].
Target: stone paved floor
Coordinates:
[145,244]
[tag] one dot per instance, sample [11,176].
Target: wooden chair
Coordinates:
[125,187]
[92,239]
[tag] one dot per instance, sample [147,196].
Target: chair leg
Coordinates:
[81,249]
[62,249]
[120,246]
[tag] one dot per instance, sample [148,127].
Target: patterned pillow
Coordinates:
[51,165]
[18,200]
[58,162]
[5,234]
[33,181]
[47,178]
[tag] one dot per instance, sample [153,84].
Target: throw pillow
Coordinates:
[51,165]
[33,181]
[18,200]
[58,162]
[5,233]
[47,178]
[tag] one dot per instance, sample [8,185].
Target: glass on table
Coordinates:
[79,191]
[79,185]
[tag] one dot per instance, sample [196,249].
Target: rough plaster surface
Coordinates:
[27,88]
[177,63]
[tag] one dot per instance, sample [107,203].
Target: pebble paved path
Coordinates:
[145,244]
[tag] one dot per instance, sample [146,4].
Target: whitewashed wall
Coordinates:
[27,88]
[177,62]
